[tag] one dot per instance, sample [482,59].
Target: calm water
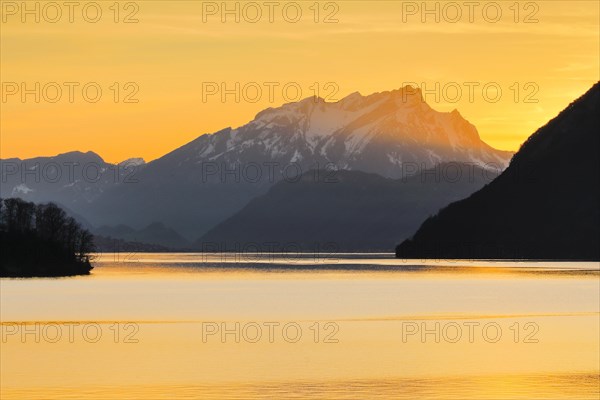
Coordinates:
[186,326]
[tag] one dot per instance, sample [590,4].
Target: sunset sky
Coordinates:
[174,50]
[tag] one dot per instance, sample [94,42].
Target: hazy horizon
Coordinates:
[550,54]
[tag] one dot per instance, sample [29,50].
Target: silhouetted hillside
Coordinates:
[155,234]
[41,240]
[108,244]
[543,206]
[343,210]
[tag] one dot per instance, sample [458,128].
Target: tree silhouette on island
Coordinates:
[42,241]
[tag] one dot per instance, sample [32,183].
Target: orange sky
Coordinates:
[174,51]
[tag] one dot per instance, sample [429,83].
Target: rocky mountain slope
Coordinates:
[545,205]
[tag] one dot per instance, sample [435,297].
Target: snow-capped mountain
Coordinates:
[198,185]
[72,179]
[380,133]
[133,162]
[544,206]
[205,181]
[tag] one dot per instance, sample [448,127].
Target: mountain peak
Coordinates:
[353,95]
[374,133]
[133,162]
[351,98]
[544,205]
[88,156]
[407,91]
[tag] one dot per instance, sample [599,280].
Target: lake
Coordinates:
[347,326]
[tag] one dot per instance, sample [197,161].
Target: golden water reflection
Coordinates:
[179,332]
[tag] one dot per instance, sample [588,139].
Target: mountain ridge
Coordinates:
[543,206]
[345,210]
[196,186]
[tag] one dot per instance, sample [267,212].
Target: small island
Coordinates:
[40,240]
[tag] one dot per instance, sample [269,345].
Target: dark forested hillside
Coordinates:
[545,205]
[344,210]
[41,240]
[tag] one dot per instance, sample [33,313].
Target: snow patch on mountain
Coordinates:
[132,162]
[374,133]
[21,189]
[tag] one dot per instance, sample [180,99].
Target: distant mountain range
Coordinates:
[197,186]
[343,211]
[74,179]
[109,244]
[545,205]
[380,133]
[155,234]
